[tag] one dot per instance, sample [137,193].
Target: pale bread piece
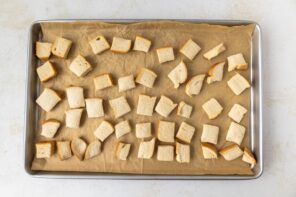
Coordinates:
[194,85]
[61,47]
[165,153]
[43,50]
[210,134]
[143,130]
[99,44]
[44,149]
[64,149]
[190,49]
[166,131]
[75,97]
[185,132]
[215,51]
[165,106]
[104,130]
[48,99]
[122,128]
[50,128]
[146,149]
[237,112]
[94,107]
[46,71]
[182,153]
[235,133]
[122,151]
[231,152]
[248,157]
[93,149]
[103,81]
[73,117]
[119,106]
[179,74]
[238,84]
[146,77]
[212,108]
[146,105]
[209,151]
[165,54]
[237,61]
[215,72]
[80,66]
[184,110]
[121,45]
[142,44]
[78,147]
[126,83]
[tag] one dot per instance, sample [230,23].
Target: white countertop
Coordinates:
[277,19]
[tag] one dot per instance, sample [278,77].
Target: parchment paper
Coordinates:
[162,33]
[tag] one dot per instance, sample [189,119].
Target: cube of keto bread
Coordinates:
[209,151]
[165,54]
[238,84]
[231,152]
[215,73]
[236,133]
[48,99]
[80,66]
[44,149]
[237,61]
[94,107]
[179,74]
[165,106]
[75,97]
[73,117]
[210,134]
[99,44]
[61,47]
[122,151]
[121,45]
[166,131]
[78,147]
[50,128]
[122,128]
[182,153]
[185,132]
[146,149]
[102,82]
[126,83]
[104,130]
[64,150]
[142,44]
[146,105]
[93,149]
[143,130]
[184,110]
[215,51]
[190,49]
[248,157]
[46,71]
[165,153]
[237,112]
[119,106]
[213,108]
[43,50]
[146,77]
[194,85]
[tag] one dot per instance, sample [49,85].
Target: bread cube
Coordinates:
[122,128]
[64,150]
[165,153]
[146,149]
[119,106]
[121,45]
[213,108]
[48,99]
[210,134]
[190,49]
[215,72]
[126,83]
[248,157]
[142,44]
[166,131]
[104,130]
[215,51]
[99,44]
[61,47]
[50,127]
[146,77]
[122,151]
[43,50]
[75,97]
[46,71]
[184,110]
[179,74]
[80,66]
[146,105]
[238,84]
[185,132]
[93,149]
[44,149]
[209,151]
[231,152]
[73,117]
[94,107]
[237,112]
[102,82]
[165,54]
[194,85]
[237,61]
[182,153]
[78,147]
[236,133]
[165,106]
[143,130]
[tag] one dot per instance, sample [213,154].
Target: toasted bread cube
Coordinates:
[119,106]
[146,77]
[165,54]
[43,50]
[64,150]
[190,49]
[99,44]
[46,71]
[236,133]
[213,108]
[146,149]
[121,45]
[182,153]
[165,106]
[146,105]
[215,72]
[122,151]
[75,97]
[249,157]
[50,127]
[165,153]
[44,149]
[185,132]
[143,130]
[237,61]
[73,117]
[142,44]
[209,151]
[179,74]
[80,66]
[210,134]
[48,99]
[104,130]
[238,84]
[166,131]
[194,85]
[93,149]
[126,83]
[237,112]
[231,152]
[184,110]
[78,147]
[61,47]
[122,128]
[103,81]
[215,51]
[94,107]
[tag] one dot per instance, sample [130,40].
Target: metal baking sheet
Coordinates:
[256,124]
